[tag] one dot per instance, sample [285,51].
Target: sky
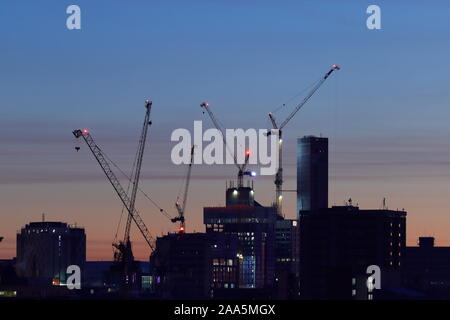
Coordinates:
[385,112]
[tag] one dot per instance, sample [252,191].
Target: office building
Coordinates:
[312,173]
[46,249]
[338,244]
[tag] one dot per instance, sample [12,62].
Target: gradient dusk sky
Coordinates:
[386,113]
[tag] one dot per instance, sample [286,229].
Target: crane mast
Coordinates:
[137,171]
[279,174]
[241,167]
[181,207]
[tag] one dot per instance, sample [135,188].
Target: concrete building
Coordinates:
[46,249]
[338,244]
[312,173]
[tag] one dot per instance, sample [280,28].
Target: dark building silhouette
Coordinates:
[427,269]
[254,225]
[194,265]
[286,258]
[338,244]
[8,275]
[312,173]
[46,249]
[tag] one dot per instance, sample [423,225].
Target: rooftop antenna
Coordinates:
[43,217]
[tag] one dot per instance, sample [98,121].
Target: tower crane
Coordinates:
[123,252]
[241,167]
[182,206]
[137,171]
[279,175]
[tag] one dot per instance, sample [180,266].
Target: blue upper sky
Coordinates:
[242,56]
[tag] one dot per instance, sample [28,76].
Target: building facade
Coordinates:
[46,249]
[254,225]
[312,173]
[427,269]
[339,244]
[194,265]
[286,258]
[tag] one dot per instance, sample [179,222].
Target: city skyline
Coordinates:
[384,113]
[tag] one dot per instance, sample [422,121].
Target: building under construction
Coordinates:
[254,225]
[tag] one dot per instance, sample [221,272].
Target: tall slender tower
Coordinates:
[312,173]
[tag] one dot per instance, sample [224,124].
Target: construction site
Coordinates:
[247,249]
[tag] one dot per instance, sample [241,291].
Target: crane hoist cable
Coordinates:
[104,164]
[124,252]
[160,209]
[241,167]
[295,96]
[128,190]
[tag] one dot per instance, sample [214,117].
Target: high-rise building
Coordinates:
[254,225]
[46,249]
[312,173]
[338,244]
